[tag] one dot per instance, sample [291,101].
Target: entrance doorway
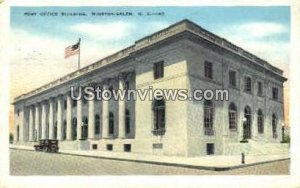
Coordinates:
[247,123]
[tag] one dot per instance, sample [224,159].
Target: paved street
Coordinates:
[36,163]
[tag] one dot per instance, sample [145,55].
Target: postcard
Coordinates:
[130,90]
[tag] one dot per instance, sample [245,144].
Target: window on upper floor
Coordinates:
[158,69]
[259,88]
[18,112]
[232,78]
[208,70]
[275,93]
[247,84]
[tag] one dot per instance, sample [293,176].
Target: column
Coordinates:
[43,121]
[91,122]
[105,113]
[69,117]
[121,111]
[31,128]
[79,119]
[51,124]
[37,122]
[59,118]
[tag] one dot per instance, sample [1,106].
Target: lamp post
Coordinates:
[244,120]
[282,129]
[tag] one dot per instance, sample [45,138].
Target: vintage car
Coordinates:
[47,145]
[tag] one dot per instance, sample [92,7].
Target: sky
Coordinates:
[38,42]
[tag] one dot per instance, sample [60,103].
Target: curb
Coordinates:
[212,168]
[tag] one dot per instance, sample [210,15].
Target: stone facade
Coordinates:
[49,112]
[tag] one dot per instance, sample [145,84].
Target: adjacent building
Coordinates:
[184,56]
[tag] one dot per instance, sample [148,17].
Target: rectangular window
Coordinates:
[127,125]
[95,146]
[208,70]
[158,70]
[247,84]
[109,147]
[127,147]
[65,104]
[232,120]
[157,146]
[275,93]
[159,117]
[56,106]
[208,118]
[259,88]
[111,124]
[74,103]
[210,149]
[232,78]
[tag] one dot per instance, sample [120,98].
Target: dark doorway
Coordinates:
[55,130]
[84,128]
[18,132]
[247,123]
[74,128]
[210,149]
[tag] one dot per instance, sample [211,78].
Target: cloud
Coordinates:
[262,29]
[263,39]
[39,59]
[104,31]
[121,30]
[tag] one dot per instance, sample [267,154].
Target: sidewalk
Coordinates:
[214,162]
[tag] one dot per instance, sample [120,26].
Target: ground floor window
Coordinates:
[18,132]
[210,148]
[109,147]
[74,128]
[260,121]
[97,124]
[55,130]
[159,109]
[247,123]
[127,147]
[64,130]
[274,126]
[84,128]
[208,117]
[232,116]
[47,131]
[111,123]
[127,121]
[94,146]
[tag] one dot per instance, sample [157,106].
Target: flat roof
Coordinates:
[183,25]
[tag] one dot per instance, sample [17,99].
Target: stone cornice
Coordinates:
[182,26]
